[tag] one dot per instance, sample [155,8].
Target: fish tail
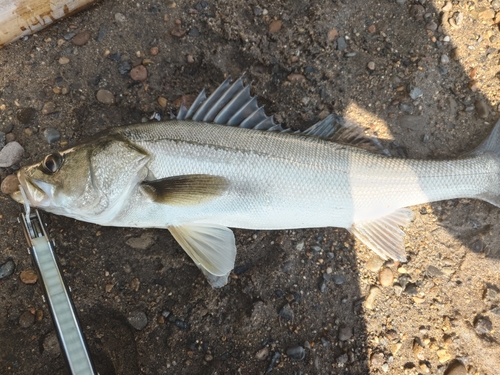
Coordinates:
[491,147]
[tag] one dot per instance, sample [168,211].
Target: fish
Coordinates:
[223,163]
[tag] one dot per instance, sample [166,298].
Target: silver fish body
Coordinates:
[197,178]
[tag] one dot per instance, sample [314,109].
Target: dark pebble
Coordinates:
[322,286]
[455,367]
[286,313]
[26,115]
[138,320]
[495,311]
[7,269]
[124,67]
[411,289]
[10,137]
[101,33]
[115,56]
[345,333]
[194,32]
[26,319]
[69,36]
[51,344]
[433,271]
[2,139]
[483,324]
[477,246]
[338,279]
[181,324]
[165,313]
[52,135]
[276,356]
[81,39]
[240,270]
[296,353]
[8,128]
[341,44]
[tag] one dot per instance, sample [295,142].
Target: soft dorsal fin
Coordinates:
[186,190]
[383,235]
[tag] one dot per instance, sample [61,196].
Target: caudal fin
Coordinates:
[491,145]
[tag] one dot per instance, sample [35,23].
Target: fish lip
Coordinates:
[30,186]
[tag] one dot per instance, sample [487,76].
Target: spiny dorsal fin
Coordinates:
[383,235]
[186,190]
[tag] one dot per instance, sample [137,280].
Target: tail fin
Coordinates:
[491,145]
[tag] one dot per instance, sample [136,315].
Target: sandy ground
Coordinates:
[426,81]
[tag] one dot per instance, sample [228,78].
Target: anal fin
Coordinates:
[211,247]
[383,235]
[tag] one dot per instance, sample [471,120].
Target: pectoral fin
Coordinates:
[211,247]
[384,235]
[187,190]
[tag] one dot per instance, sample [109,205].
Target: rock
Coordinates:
[296,78]
[48,108]
[52,135]
[341,44]
[443,355]
[63,60]
[11,154]
[138,320]
[483,324]
[411,289]
[332,34]
[286,313]
[162,101]
[377,360]
[81,38]
[417,11]
[345,333]
[2,140]
[445,59]
[415,93]
[262,353]
[190,59]
[194,32]
[139,73]
[120,17]
[372,296]
[455,367]
[374,263]
[178,31]
[275,26]
[105,97]
[26,115]
[372,29]
[386,277]
[371,65]
[29,277]
[51,344]
[27,319]
[10,138]
[143,242]
[124,67]
[431,26]
[296,353]
[482,108]
[7,269]
[10,184]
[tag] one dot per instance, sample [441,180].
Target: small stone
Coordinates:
[296,78]
[39,315]
[109,287]
[445,59]
[153,51]
[482,108]
[48,108]
[178,31]
[275,26]
[143,242]
[433,271]
[386,277]
[374,263]
[372,296]
[190,59]
[474,85]
[345,333]
[81,39]
[139,73]
[162,101]
[10,184]
[52,135]
[105,97]
[339,279]
[27,319]
[457,18]
[286,313]
[7,269]
[262,353]
[455,367]
[372,29]
[395,348]
[341,44]
[432,26]
[495,311]
[51,344]
[447,7]
[194,32]
[209,357]
[296,353]
[29,277]
[11,154]
[11,137]
[371,65]
[443,355]
[26,115]
[332,34]
[63,60]
[138,320]
[415,93]
[124,67]
[120,17]
[483,324]
[411,289]
[417,11]
[377,360]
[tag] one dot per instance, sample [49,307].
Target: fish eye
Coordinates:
[52,163]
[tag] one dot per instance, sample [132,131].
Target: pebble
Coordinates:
[181,324]
[124,67]
[455,367]
[10,138]
[443,355]
[26,115]
[105,96]
[411,289]
[11,154]
[52,135]
[377,360]
[372,296]
[296,78]
[27,319]
[190,59]
[286,313]
[120,17]
[372,29]
[162,101]
[386,277]
[143,242]
[415,93]
[482,108]
[48,108]
[81,39]
[275,26]
[457,19]
[154,51]
[371,65]
[178,31]
[194,32]
[374,263]
[417,11]
[332,34]
[445,59]
[447,7]
[262,353]
[63,60]
[495,311]
[339,279]
[345,333]
[2,140]
[139,73]
[341,44]
[296,353]
[51,344]
[483,324]
[10,184]
[7,269]
[29,277]
[138,320]
[431,26]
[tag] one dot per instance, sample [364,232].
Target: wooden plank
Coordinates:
[24,17]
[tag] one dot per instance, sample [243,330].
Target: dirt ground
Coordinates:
[426,81]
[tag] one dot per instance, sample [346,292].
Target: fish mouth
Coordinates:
[33,190]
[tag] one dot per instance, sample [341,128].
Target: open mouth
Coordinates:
[33,191]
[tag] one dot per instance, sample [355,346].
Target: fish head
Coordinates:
[86,182]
